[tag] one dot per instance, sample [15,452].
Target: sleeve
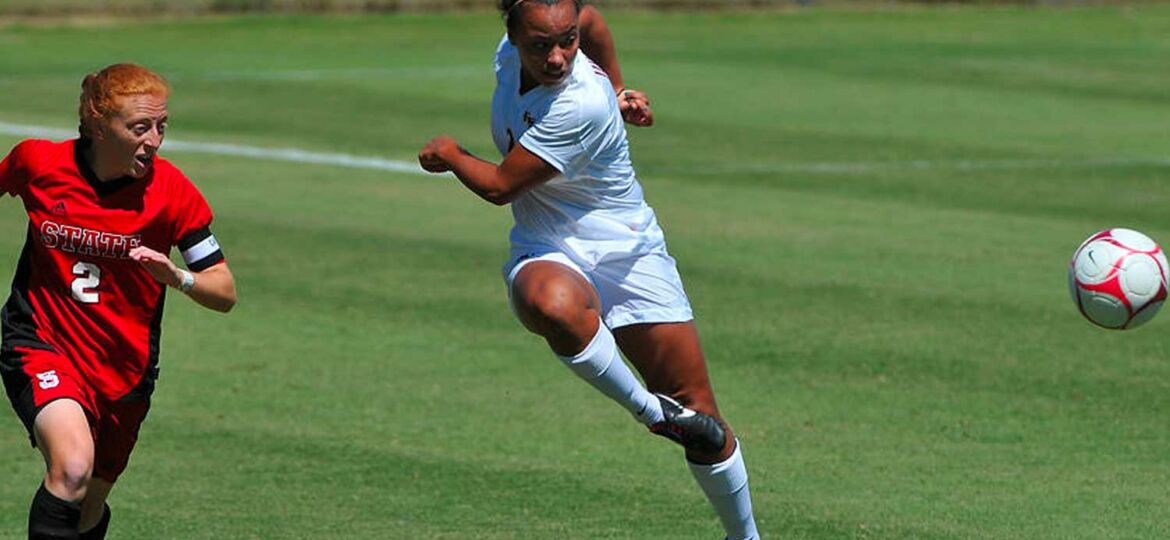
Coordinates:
[556,138]
[567,136]
[192,228]
[15,170]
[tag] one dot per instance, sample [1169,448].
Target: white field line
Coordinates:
[295,155]
[313,75]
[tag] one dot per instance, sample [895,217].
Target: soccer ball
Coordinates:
[1118,278]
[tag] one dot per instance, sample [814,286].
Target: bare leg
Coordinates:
[560,305]
[555,302]
[670,359]
[63,436]
[94,505]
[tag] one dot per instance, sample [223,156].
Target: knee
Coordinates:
[551,309]
[705,405]
[70,475]
[712,456]
[697,397]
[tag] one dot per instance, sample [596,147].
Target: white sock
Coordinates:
[601,365]
[726,487]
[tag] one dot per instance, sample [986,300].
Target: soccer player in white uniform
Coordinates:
[589,270]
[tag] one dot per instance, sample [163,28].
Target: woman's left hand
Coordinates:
[635,107]
[160,266]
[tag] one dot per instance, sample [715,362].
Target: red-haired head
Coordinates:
[123,112]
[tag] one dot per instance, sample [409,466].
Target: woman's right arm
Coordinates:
[497,184]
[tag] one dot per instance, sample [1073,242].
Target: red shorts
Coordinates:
[34,378]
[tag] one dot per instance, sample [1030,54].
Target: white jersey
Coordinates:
[594,209]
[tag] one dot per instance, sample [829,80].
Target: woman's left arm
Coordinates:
[597,42]
[213,288]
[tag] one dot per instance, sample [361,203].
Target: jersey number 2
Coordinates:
[89,276]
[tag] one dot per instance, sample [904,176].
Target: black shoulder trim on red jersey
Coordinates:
[200,250]
[102,189]
[207,262]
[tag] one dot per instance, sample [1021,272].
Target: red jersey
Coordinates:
[76,291]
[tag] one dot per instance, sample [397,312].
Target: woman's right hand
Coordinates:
[431,156]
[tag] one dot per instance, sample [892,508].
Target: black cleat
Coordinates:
[691,429]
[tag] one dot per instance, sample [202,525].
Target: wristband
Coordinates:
[188,281]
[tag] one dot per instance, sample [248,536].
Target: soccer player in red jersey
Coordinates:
[81,328]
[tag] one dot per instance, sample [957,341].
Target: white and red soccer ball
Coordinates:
[1119,278]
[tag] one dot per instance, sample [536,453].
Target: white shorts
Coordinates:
[638,289]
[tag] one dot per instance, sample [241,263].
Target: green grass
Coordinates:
[893,342]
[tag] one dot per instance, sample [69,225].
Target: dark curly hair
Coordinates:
[509,8]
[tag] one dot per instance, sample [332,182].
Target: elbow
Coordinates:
[500,197]
[226,306]
[224,303]
[498,200]
[502,188]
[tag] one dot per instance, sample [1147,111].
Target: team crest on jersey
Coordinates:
[73,239]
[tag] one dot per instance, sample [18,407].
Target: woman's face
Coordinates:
[128,139]
[547,39]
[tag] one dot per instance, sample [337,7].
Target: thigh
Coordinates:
[62,433]
[554,299]
[543,277]
[54,404]
[670,359]
[533,274]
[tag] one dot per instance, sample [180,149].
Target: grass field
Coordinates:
[872,212]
